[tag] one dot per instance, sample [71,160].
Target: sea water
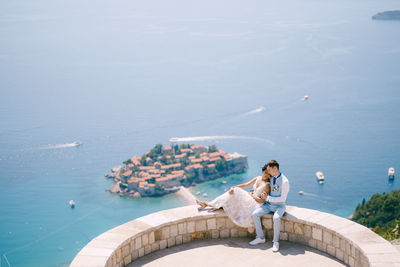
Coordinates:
[122,76]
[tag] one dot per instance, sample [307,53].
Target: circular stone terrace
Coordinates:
[188,236]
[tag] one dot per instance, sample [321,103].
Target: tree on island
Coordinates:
[155,152]
[212,148]
[126,162]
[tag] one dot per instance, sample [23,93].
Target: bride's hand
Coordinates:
[264,195]
[231,191]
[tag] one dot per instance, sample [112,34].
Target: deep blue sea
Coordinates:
[122,76]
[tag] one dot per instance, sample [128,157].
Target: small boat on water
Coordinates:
[224,182]
[305,98]
[301,192]
[77,143]
[391,173]
[72,203]
[205,194]
[198,193]
[320,177]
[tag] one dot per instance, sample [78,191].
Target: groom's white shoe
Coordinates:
[275,247]
[257,241]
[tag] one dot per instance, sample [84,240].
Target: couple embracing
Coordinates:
[245,209]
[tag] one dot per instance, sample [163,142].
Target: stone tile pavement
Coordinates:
[236,252]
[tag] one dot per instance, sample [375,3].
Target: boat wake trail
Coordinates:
[218,137]
[58,146]
[255,111]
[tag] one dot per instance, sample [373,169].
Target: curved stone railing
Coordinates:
[345,240]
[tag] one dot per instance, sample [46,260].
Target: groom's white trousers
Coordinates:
[267,207]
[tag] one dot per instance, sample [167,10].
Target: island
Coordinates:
[388,15]
[164,169]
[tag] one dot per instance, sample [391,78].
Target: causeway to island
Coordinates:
[164,169]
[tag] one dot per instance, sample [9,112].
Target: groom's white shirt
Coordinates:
[285,190]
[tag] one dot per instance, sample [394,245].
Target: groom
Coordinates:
[275,203]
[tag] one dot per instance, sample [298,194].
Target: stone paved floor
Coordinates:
[236,252]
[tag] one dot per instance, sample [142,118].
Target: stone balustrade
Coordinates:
[345,240]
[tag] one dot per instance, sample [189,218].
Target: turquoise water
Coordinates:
[122,76]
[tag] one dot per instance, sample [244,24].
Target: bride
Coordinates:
[239,204]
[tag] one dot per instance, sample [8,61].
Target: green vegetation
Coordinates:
[212,148]
[155,152]
[126,162]
[221,165]
[159,188]
[381,213]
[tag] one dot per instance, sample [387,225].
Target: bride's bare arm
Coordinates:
[264,194]
[249,183]
[266,191]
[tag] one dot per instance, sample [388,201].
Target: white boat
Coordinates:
[305,98]
[224,182]
[301,192]
[77,143]
[320,177]
[391,173]
[72,203]
[205,195]
[198,193]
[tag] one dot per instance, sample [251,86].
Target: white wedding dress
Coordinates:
[240,205]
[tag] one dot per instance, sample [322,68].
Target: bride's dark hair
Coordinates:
[264,167]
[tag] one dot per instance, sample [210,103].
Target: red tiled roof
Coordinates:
[214,154]
[196,160]
[136,162]
[166,148]
[172,176]
[211,165]
[181,172]
[166,167]
[134,180]
[197,166]
[197,146]
[184,150]
[180,156]
[145,168]
[193,166]
[136,158]
[214,159]
[127,173]
[143,174]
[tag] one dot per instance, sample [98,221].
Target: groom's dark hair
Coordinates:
[272,163]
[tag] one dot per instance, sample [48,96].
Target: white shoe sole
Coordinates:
[253,244]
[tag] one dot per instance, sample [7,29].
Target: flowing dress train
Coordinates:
[240,205]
